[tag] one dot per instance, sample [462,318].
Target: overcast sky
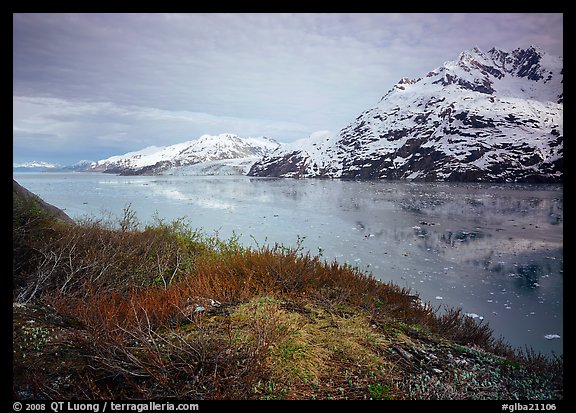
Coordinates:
[89,86]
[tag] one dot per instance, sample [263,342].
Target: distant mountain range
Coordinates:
[36,166]
[493,116]
[223,154]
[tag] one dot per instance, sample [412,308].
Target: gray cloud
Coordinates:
[60,125]
[118,82]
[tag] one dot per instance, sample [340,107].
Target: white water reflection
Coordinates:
[494,250]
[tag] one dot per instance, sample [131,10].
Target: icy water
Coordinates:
[495,250]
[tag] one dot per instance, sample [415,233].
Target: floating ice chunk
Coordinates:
[551,336]
[474,315]
[438,297]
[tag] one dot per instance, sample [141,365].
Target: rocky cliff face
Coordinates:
[488,116]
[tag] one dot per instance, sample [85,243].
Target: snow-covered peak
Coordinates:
[493,115]
[83,162]
[154,159]
[495,71]
[34,164]
[470,55]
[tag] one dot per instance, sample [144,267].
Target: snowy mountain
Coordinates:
[207,148]
[78,166]
[35,166]
[488,116]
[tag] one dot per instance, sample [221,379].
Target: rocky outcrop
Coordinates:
[19,192]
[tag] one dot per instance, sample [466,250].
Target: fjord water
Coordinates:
[494,250]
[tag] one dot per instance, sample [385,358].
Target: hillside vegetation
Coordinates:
[117,310]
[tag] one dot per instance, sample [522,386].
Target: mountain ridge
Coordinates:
[154,160]
[494,116]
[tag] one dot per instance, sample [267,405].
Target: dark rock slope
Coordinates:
[22,194]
